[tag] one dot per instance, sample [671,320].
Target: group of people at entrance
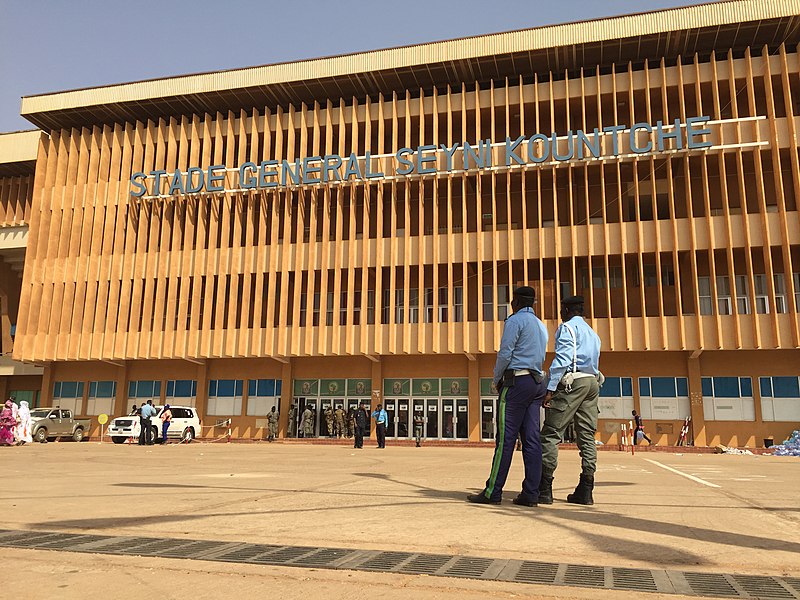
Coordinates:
[15,423]
[569,396]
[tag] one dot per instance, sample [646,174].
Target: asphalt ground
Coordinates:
[698,512]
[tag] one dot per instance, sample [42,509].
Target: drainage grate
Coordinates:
[614,578]
[537,572]
[426,563]
[762,587]
[469,567]
[385,561]
[585,576]
[710,584]
[634,579]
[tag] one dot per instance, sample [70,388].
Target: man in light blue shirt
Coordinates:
[519,378]
[145,425]
[572,392]
[381,419]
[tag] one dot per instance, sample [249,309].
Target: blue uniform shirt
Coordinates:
[588,351]
[523,345]
[147,411]
[380,416]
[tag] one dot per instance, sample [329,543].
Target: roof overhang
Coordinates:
[18,152]
[618,40]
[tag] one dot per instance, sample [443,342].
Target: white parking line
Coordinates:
[692,477]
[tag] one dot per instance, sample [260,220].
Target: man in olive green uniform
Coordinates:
[329,420]
[308,422]
[572,393]
[339,415]
[272,421]
[292,421]
[351,422]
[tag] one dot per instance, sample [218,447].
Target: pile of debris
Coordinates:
[790,447]
[722,449]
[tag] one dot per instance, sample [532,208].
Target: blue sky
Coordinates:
[56,45]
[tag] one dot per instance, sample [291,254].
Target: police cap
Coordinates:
[525,291]
[572,301]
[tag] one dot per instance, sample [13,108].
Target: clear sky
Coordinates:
[55,45]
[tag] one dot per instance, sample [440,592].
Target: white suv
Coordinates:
[185,425]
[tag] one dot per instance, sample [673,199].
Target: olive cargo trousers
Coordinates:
[580,405]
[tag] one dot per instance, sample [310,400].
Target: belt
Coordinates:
[519,372]
[579,375]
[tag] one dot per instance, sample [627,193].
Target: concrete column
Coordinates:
[696,399]
[121,399]
[201,399]
[46,397]
[474,374]
[377,384]
[286,398]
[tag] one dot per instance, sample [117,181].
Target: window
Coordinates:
[728,399]
[565,289]
[502,302]
[225,397]
[704,291]
[780,293]
[664,398]
[370,307]
[398,306]
[742,296]
[315,313]
[302,320]
[650,276]
[428,305]
[616,398]
[101,397]
[724,295]
[780,398]
[458,304]
[69,395]
[329,309]
[357,307]
[796,281]
[343,307]
[262,395]
[181,391]
[139,392]
[762,294]
[615,277]
[413,305]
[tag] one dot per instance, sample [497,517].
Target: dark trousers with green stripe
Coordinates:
[518,413]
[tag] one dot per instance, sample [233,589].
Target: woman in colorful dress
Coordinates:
[8,424]
[24,423]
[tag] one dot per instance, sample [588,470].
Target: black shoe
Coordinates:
[521,500]
[546,490]
[481,499]
[583,492]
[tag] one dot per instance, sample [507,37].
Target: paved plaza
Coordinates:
[674,512]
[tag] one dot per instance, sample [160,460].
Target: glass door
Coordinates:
[448,418]
[488,409]
[311,404]
[462,418]
[432,418]
[323,422]
[404,427]
[391,425]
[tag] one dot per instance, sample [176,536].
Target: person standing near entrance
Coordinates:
[328,413]
[24,424]
[419,421]
[572,393]
[639,433]
[308,422]
[381,419]
[518,376]
[272,423]
[145,425]
[339,416]
[292,421]
[361,419]
[166,419]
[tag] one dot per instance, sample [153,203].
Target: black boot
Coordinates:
[546,489]
[583,492]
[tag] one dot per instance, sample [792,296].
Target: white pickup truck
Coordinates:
[185,425]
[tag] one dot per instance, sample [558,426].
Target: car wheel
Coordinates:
[77,436]
[41,435]
[118,439]
[188,435]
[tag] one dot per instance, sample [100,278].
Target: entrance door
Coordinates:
[312,404]
[462,418]
[323,422]
[488,411]
[448,418]
[391,425]
[403,419]
[432,418]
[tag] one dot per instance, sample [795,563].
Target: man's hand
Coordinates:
[547,398]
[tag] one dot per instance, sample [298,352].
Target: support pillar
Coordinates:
[46,396]
[474,374]
[286,398]
[121,399]
[377,387]
[696,399]
[201,398]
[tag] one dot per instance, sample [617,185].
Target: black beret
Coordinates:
[572,301]
[525,291]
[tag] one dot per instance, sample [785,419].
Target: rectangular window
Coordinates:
[615,277]
[458,304]
[488,303]
[262,395]
[302,319]
[343,307]
[357,307]
[780,293]
[616,398]
[386,308]
[370,307]
[139,392]
[742,295]
[69,395]
[650,276]
[796,280]
[704,291]
[398,306]
[761,293]
[665,398]
[329,309]
[413,305]
[724,306]
[101,397]
[502,302]
[181,391]
[728,399]
[428,305]
[225,397]
[780,399]
[315,317]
